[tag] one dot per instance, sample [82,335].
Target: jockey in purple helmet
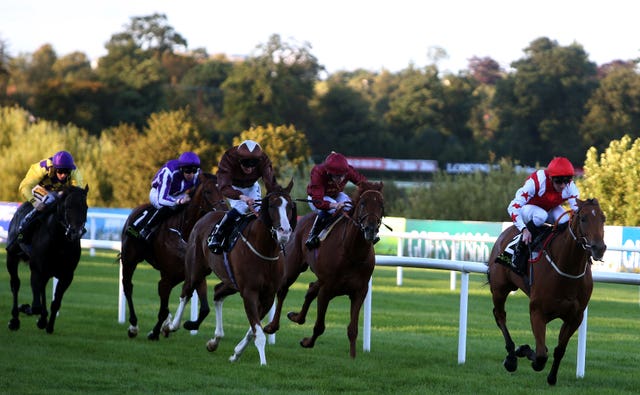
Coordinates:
[170,190]
[40,188]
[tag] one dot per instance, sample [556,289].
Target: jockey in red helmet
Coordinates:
[239,170]
[540,200]
[40,188]
[325,190]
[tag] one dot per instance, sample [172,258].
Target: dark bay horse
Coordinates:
[55,252]
[343,263]
[166,249]
[253,268]
[561,285]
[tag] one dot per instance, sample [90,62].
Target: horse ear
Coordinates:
[288,188]
[86,189]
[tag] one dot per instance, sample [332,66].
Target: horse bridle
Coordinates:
[272,229]
[359,221]
[580,240]
[64,220]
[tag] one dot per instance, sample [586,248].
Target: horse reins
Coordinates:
[585,245]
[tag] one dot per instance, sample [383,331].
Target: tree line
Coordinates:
[149,98]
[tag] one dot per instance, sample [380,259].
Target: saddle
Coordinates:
[236,231]
[329,227]
[539,242]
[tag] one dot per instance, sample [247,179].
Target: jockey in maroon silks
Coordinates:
[325,191]
[239,170]
[539,201]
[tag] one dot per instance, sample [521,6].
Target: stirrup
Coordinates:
[312,242]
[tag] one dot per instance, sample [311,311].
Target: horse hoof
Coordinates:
[25,309]
[49,330]
[306,343]
[551,379]
[295,317]
[42,323]
[270,329]
[153,336]
[132,332]
[523,351]
[14,324]
[539,364]
[510,363]
[191,325]
[212,345]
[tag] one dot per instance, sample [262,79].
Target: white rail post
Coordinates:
[582,346]
[121,298]
[399,268]
[462,329]
[366,329]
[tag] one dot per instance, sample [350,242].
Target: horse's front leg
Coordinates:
[204,310]
[319,327]
[352,330]
[312,293]
[567,330]
[213,343]
[61,288]
[240,347]
[500,315]
[14,282]
[165,285]
[127,289]
[539,328]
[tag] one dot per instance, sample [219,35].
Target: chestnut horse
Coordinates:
[560,285]
[166,249]
[343,263]
[55,252]
[252,267]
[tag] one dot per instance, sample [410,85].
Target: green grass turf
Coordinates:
[414,343]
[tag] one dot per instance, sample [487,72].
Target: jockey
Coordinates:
[239,170]
[170,188]
[325,190]
[539,201]
[40,188]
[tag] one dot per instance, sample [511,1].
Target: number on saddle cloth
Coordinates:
[140,220]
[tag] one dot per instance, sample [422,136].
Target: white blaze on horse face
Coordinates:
[283,230]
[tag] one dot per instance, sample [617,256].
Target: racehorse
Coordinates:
[252,267]
[166,249]
[343,263]
[560,284]
[55,252]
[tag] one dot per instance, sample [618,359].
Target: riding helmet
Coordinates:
[336,163]
[188,158]
[249,149]
[63,160]
[559,167]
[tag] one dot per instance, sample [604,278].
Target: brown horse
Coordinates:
[252,267]
[166,249]
[343,263]
[560,285]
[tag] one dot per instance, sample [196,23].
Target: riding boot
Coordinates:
[520,257]
[157,217]
[321,220]
[221,231]
[536,232]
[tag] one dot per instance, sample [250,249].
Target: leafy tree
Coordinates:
[274,86]
[541,105]
[613,177]
[26,140]
[133,158]
[614,107]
